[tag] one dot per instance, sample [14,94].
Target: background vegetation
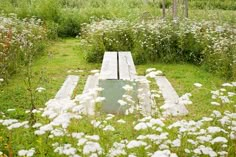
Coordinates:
[67,18]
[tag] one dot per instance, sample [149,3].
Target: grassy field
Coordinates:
[65,57]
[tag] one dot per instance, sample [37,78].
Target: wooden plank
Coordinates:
[67,88]
[90,86]
[172,105]
[168,92]
[144,95]
[109,66]
[91,83]
[126,66]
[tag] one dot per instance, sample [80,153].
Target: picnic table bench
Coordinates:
[117,70]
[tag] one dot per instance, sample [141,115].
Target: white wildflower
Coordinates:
[224,99]
[109,128]
[127,88]
[40,89]
[134,144]
[203,139]
[163,146]
[92,147]
[215,103]
[150,70]
[232,136]
[122,102]
[216,114]
[223,153]
[82,141]
[219,140]
[96,123]
[121,121]
[187,151]
[141,126]
[176,143]
[164,153]
[227,85]
[156,122]
[77,135]
[26,153]
[199,85]
[214,129]
[93,137]
[100,99]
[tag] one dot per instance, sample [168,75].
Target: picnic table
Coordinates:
[117,70]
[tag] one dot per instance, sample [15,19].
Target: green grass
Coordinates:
[49,71]
[183,77]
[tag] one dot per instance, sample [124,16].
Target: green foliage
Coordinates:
[95,53]
[47,10]
[69,24]
[216,4]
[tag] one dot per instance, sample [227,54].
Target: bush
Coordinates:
[202,43]
[96,51]
[69,24]
[20,42]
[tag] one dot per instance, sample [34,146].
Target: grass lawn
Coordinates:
[65,57]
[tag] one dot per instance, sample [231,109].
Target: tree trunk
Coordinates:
[174,9]
[186,8]
[164,8]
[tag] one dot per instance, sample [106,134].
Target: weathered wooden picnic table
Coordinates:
[117,70]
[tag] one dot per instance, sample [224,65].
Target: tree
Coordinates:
[164,8]
[186,8]
[174,9]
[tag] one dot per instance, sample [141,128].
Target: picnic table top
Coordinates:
[118,66]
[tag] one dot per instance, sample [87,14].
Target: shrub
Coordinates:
[202,43]
[20,42]
[69,24]
[96,51]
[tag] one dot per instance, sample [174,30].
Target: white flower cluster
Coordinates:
[223,95]
[14,124]
[152,73]
[60,115]
[26,153]
[65,149]
[149,122]
[210,38]
[103,124]
[18,37]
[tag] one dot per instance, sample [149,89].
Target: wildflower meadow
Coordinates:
[177,99]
